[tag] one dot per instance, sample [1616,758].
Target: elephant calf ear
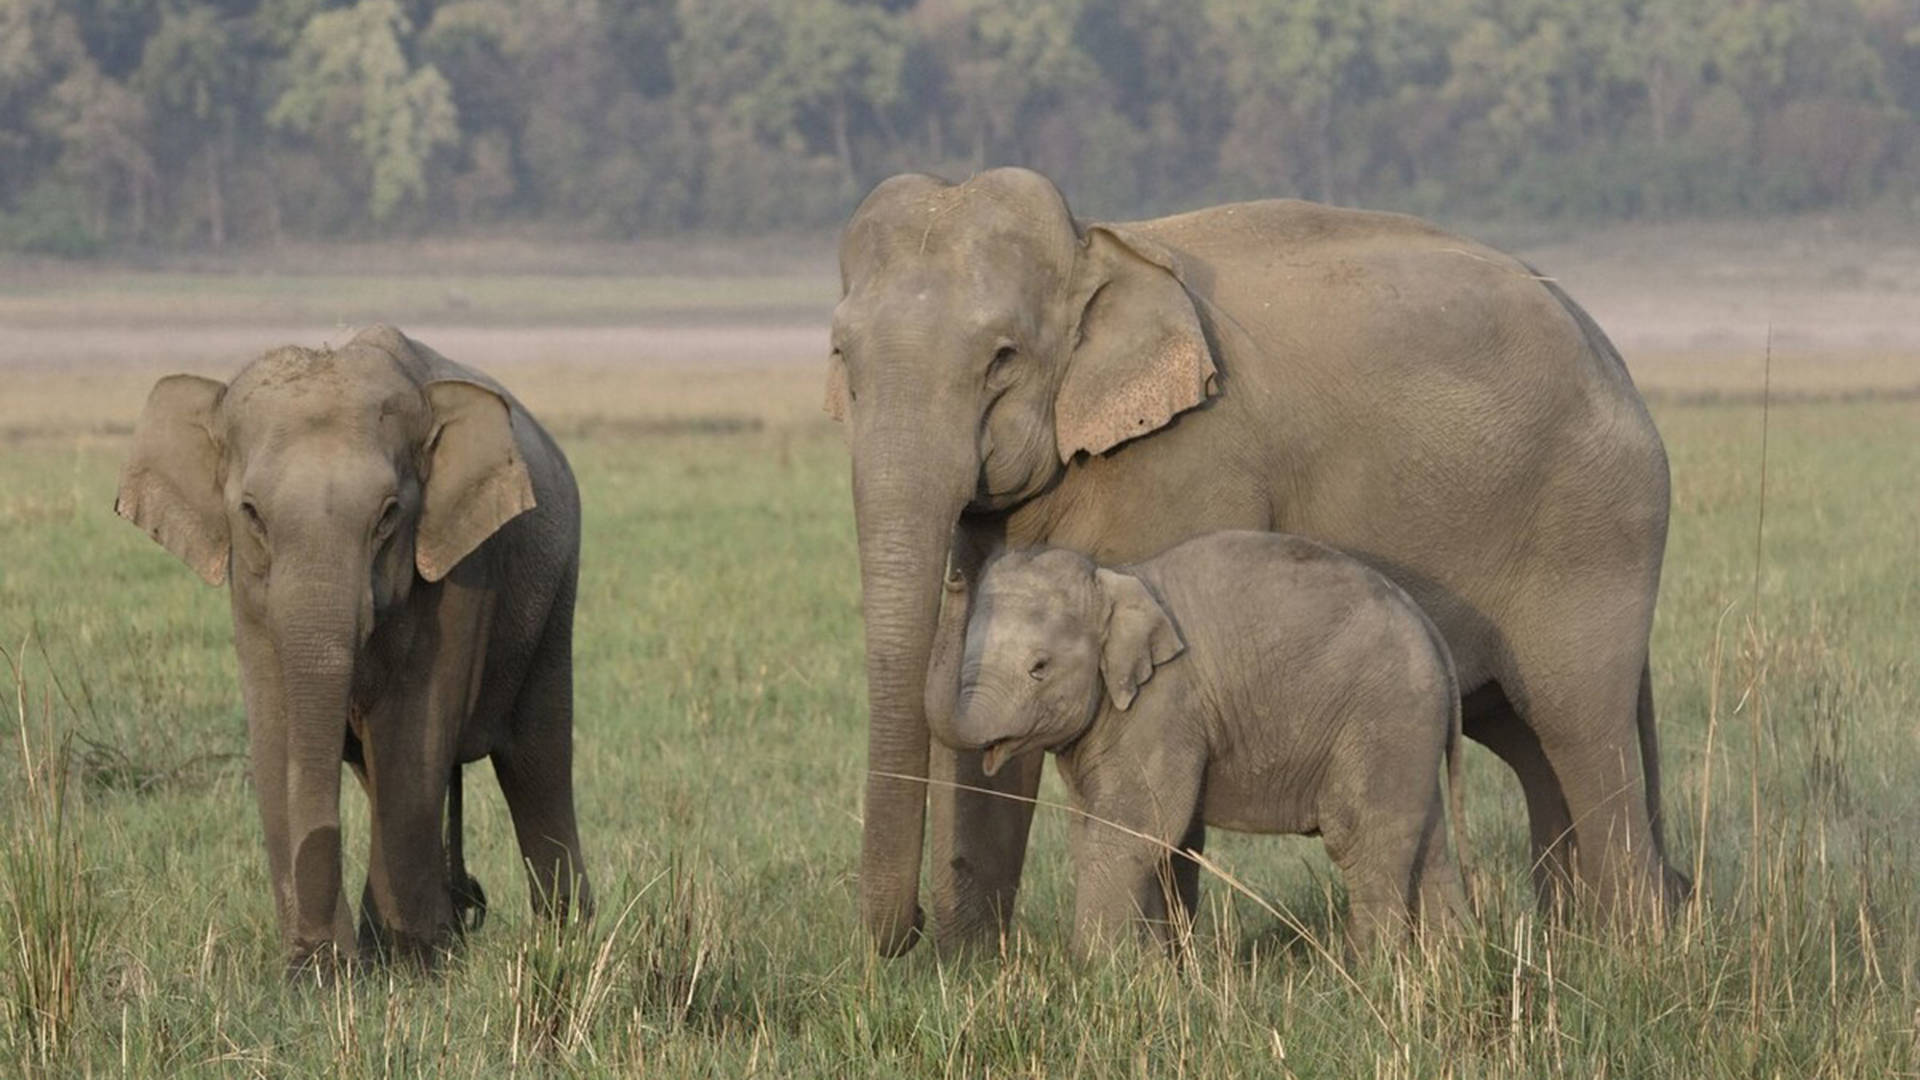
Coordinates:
[1141,357]
[476,480]
[1139,636]
[170,483]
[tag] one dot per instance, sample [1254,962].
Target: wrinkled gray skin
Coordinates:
[1009,376]
[1250,681]
[402,541]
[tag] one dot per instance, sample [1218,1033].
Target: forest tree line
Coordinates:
[206,123]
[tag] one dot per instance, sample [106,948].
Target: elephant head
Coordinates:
[324,486]
[983,340]
[1051,634]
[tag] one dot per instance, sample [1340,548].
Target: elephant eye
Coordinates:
[1039,668]
[1001,371]
[389,517]
[252,513]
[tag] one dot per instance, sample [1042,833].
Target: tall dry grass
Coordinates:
[49,912]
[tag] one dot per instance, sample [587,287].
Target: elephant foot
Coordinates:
[1640,898]
[894,942]
[1679,887]
[380,944]
[469,905]
[321,965]
[970,929]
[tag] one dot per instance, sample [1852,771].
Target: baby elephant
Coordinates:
[401,541]
[1298,691]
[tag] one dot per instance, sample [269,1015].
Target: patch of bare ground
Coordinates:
[607,336]
[1694,306]
[81,381]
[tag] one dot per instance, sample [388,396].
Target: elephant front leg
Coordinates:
[1125,893]
[980,826]
[406,910]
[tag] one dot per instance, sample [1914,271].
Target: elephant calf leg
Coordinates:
[539,792]
[405,909]
[1120,895]
[1442,896]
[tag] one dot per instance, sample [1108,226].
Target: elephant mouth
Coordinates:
[997,753]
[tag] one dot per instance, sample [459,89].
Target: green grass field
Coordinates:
[721,741]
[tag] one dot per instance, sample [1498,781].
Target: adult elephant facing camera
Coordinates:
[1011,376]
[403,542]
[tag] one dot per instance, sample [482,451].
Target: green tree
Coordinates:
[191,75]
[102,130]
[1295,70]
[1021,61]
[39,45]
[1164,71]
[835,58]
[795,73]
[203,120]
[349,84]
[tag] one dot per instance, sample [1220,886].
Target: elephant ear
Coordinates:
[836,403]
[476,479]
[1140,357]
[170,484]
[1139,636]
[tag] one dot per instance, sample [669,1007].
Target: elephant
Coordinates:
[1008,375]
[401,539]
[1250,681]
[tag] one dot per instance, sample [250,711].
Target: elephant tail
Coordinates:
[1455,751]
[1456,805]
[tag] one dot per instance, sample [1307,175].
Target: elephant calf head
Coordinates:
[324,486]
[1050,637]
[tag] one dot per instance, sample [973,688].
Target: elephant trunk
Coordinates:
[908,495]
[987,716]
[318,628]
[974,713]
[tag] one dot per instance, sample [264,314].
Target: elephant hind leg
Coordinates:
[1383,819]
[535,770]
[1439,894]
[1581,706]
[1490,719]
[1377,863]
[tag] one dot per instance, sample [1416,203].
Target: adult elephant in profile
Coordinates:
[1009,375]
